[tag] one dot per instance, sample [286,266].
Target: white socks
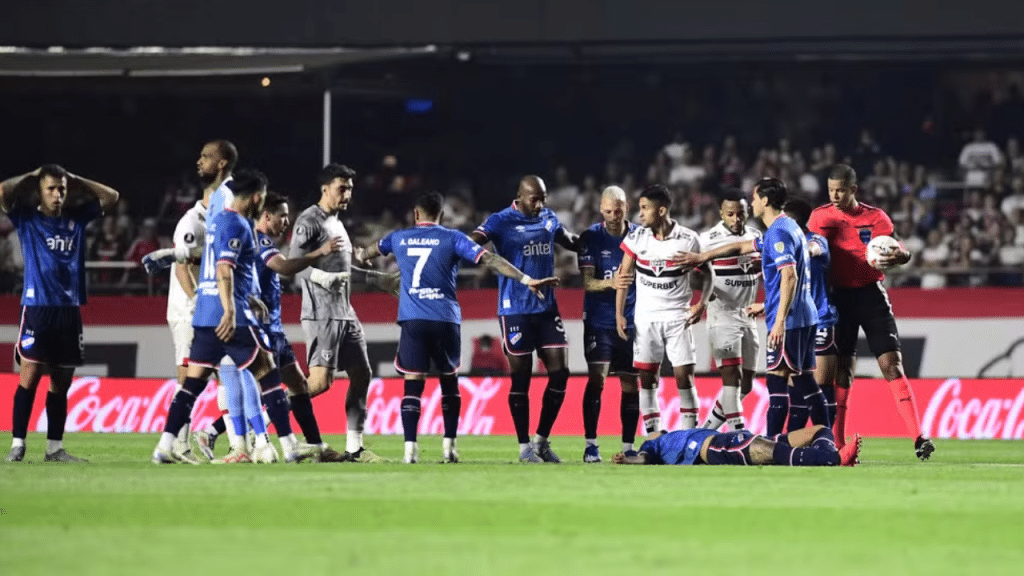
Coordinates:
[447,444]
[627,446]
[650,410]
[731,407]
[353,441]
[688,405]
[53,446]
[18,443]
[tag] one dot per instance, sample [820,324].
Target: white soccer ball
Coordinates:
[880,247]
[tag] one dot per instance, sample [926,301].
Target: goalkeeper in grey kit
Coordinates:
[334,336]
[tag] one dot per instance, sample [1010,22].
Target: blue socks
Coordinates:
[778,404]
[411,408]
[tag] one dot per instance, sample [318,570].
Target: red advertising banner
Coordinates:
[951,408]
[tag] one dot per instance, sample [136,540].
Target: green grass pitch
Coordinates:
[961,513]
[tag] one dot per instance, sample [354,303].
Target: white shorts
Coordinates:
[734,345]
[656,339]
[181,334]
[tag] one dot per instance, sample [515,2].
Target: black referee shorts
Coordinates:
[865,307]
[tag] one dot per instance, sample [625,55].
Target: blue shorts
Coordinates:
[730,448]
[825,341]
[423,341]
[51,335]
[208,350]
[603,346]
[797,351]
[281,348]
[525,333]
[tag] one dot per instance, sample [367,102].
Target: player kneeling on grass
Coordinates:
[814,446]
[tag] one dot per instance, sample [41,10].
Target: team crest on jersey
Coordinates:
[266,241]
[326,354]
[515,337]
[520,228]
[657,266]
[865,235]
[234,243]
[549,225]
[746,263]
[606,253]
[779,246]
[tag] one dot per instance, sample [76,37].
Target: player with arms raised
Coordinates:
[861,300]
[50,339]
[428,257]
[599,258]
[525,234]
[732,332]
[664,288]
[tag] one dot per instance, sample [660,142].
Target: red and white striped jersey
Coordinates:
[735,278]
[662,285]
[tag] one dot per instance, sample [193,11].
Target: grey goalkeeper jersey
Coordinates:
[313,227]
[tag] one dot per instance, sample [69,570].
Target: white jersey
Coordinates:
[735,278]
[191,233]
[662,286]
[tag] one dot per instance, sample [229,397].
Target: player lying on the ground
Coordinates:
[814,446]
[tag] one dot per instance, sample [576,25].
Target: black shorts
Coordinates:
[730,448]
[866,307]
[208,350]
[424,340]
[51,335]
[281,348]
[525,333]
[603,346]
[825,341]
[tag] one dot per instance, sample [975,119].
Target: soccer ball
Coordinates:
[878,247]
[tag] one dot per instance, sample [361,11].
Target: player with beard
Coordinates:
[50,338]
[525,234]
[599,258]
[730,287]
[334,335]
[860,299]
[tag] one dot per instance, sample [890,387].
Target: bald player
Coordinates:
[599,258]
[525,234]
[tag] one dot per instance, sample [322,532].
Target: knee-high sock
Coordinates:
[829,392]
[732,407]
[519,405]
[234,395]
[411,408]
[276,401]
[906,404]
[23,398]
[591,409]
[251,402]
[716,417]
[56,414]
[778,404]
[814,399]
[797,409]
[650,410]
[688,405]
[451,404]
[821,452]
[551,404]
[181,406]
[839,426]
[629,413]
[302,410]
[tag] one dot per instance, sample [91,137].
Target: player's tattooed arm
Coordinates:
[621,458]
[104,194]
[499,265]
[9,189]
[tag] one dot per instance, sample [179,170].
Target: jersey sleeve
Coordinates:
[820,241]
[585,257]
[87,212]
[629,244]
[491,225]
[231,237]
[267,248]
[305,238]
[384,245]
[466,248]
[779,248]
[185,233]
[816,221]
[884,227]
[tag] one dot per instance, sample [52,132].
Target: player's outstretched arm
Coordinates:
[591,284]
[695,260]
[499,265]
[9,189]
[106,195]
[568,240]
[621,458]
[226,290]
[479,237]
[364,255]
[290,266]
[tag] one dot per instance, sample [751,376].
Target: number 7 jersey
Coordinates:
[428,258]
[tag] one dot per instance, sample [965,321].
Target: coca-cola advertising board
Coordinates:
[951,408]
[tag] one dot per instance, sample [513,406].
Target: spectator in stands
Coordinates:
[488,359]
[686,170]
[12,265]
[933,260]
[866,153]
[978,158]
[965,257]
[562,197]
[587,201]
[1017,223]
[1011,254]
[1015,199]
[107,247]
[730,164]
[125,223]
[145,243]
[1014,157]
[674,149]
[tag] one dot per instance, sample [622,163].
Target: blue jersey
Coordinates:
[229,238]
[603,252]
[819,281]
[54,253]
[681,447]
[783,245]
[529,244]
[221,200]
[428,258]
[269,281]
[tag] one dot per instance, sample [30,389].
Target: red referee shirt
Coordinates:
[848,234]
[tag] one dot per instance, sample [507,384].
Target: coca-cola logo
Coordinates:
[384,410]
[951,416]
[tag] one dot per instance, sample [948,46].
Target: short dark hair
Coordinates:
[332,171]
[53,170]
[843,173]
[247,182]
[773,190]
[228,152]
[799,210]
[430,203]
[730,194]
[274,201]
[658,194]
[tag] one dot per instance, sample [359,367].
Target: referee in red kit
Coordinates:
[860,299]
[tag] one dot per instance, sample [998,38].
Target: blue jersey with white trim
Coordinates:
[269,281]
[819,281]
[529,244]
[603,252]
[221,200]
[229,238]
[783,245]
[680,447]
[54,252]
[428,258]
